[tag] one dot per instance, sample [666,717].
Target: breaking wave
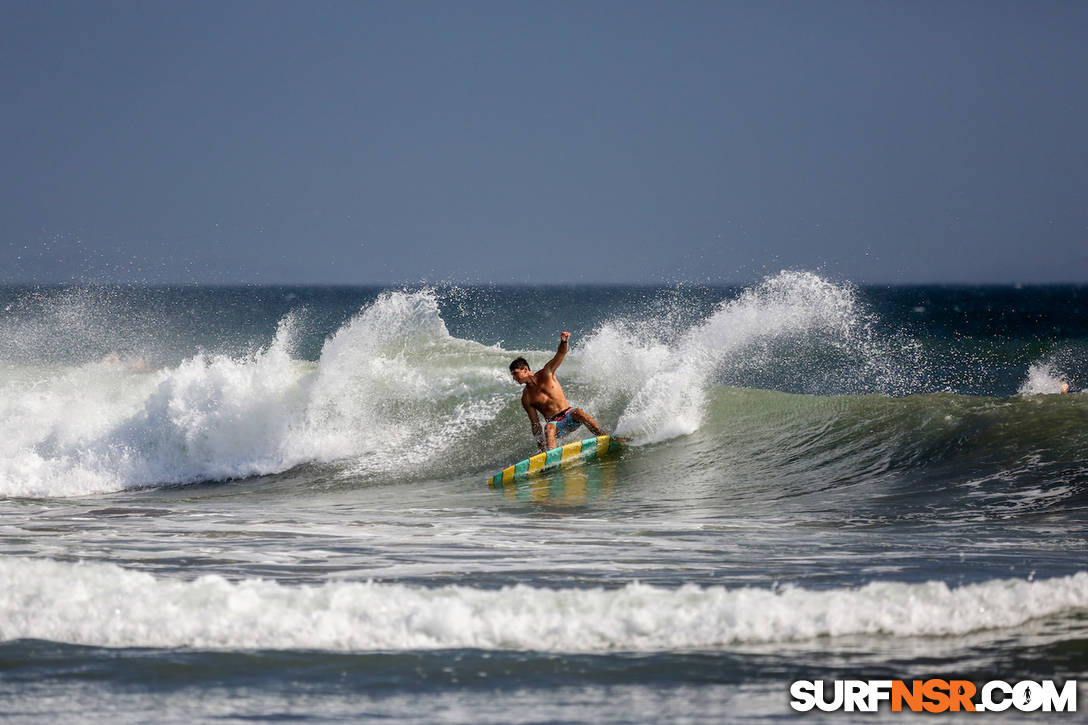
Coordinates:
[106,605]
[393,392]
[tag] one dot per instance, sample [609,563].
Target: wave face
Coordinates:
[143,393]
[105,605]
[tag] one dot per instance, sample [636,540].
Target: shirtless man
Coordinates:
[544,394]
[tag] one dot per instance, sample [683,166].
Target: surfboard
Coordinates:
[550,460]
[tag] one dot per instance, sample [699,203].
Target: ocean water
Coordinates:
[238,504]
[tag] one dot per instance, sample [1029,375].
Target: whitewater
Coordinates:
[221,503]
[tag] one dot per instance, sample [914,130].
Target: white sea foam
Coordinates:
[384,377]
[372,395]
[1043,378]
[210,417]
[103,604]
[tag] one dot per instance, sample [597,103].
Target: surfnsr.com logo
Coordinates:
[933,695]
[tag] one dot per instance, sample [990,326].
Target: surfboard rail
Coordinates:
[552,459]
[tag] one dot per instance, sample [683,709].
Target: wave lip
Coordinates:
[105,605]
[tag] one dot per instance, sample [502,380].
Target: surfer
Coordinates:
[544,395]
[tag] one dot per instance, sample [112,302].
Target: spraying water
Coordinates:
[790,327]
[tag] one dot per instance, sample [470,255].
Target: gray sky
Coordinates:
[361,142]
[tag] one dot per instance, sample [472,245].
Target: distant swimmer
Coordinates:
[543,394]
[1065,388]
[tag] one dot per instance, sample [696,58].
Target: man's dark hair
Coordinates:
[519,363]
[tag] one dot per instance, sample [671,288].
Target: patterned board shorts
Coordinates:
[565,423]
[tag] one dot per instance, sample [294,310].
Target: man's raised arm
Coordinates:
[560,353]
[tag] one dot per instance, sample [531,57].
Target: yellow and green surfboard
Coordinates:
[556,457]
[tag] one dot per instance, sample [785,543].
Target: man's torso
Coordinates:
[546,396]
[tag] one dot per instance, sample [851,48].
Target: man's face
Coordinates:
[521,375]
